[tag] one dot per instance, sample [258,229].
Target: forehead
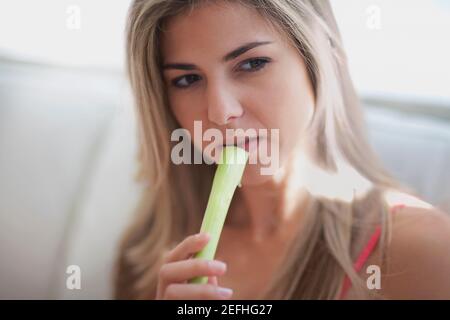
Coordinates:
[214,28]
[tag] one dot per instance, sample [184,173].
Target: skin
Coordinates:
[418,254]
[225,94]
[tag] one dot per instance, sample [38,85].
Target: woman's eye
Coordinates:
[254,64]
[250,65]
[185,81]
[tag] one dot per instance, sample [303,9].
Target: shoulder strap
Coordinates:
[365,252]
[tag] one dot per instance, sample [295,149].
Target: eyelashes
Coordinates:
[253,65]
[187,80]
[259,62]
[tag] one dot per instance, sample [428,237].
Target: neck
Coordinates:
[267,210]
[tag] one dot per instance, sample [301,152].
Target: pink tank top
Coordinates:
[365,253]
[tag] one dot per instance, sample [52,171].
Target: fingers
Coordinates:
[178,268]
[184,270]
[187,247]
[213,280]
[197,292]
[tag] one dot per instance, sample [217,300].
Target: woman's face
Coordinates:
[265,86]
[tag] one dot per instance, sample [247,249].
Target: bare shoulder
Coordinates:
[419,251]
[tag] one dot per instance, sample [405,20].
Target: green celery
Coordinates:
[227,177]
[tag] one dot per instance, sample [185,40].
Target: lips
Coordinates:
[245,144]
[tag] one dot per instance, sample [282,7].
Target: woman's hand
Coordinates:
[178,268]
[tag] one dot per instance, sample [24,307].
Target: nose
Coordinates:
[223,105]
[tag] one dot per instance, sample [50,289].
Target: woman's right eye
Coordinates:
[184,81]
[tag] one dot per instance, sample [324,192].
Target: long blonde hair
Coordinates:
[175,196]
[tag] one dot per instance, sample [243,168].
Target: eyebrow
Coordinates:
[229,56]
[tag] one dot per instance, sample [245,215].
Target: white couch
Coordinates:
[67,158]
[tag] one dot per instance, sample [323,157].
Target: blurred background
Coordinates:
[67,131]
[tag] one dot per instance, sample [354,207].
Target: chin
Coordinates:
[253,177]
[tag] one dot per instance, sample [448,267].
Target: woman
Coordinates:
[320,226]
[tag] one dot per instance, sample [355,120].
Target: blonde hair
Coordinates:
[175,196]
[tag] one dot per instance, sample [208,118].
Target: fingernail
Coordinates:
[224,292]
[200,236]
[204,235]
[217,265]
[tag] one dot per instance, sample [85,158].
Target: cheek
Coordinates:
[187,114]
[185,110]
[299,108]
[181,111]
[288,106]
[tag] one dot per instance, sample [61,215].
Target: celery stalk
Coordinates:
[227,177]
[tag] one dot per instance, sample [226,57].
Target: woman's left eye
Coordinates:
[255,64]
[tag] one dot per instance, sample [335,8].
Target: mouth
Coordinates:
[248,143]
